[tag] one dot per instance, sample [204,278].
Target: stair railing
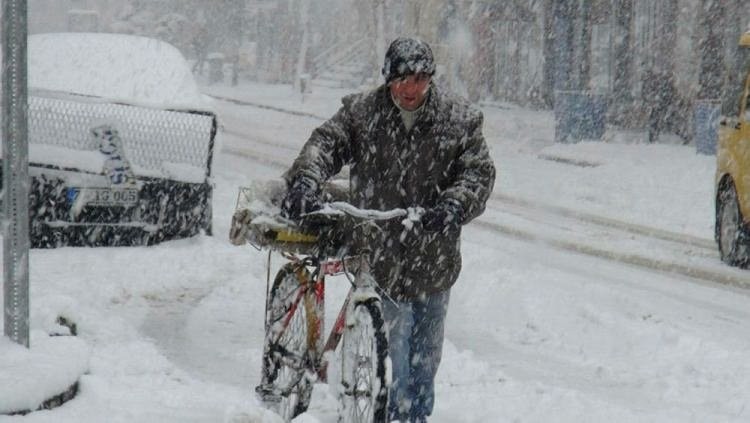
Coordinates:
[336,54]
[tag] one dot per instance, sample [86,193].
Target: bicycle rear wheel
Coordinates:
[284,387]
[364,394]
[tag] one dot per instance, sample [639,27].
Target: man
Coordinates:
[408,144]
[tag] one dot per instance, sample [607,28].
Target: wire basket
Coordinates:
[257,219]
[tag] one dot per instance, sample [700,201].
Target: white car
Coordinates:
[120,142]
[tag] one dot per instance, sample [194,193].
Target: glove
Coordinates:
[301,198]
[446,215]
[238,231]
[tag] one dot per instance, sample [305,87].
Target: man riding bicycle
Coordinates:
[408,143]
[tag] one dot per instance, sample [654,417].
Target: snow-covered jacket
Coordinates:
[443,157]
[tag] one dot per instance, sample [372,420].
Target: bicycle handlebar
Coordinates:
[266,228]
[340,207]
[331,212]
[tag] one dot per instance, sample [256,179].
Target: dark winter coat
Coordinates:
[444,156]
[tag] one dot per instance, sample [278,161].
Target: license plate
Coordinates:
[107,197]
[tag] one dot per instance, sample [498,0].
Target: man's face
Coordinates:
[409,91]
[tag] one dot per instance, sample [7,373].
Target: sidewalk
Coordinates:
[669,187]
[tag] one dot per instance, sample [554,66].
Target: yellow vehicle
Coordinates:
[732,230]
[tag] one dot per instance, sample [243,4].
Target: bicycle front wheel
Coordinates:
[284,387]
[364,393]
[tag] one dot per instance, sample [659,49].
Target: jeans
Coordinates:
[415,331]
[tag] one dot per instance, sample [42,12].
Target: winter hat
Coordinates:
[407,56]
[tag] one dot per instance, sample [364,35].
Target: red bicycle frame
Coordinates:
[329,267]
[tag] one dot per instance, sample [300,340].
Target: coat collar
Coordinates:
[426,116]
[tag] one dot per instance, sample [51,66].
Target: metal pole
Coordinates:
[15,172]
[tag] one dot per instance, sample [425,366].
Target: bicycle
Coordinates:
[294,355]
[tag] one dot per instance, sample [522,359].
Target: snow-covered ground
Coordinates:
[535,333]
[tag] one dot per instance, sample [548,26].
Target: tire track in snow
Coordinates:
[728,276]
[268,107]
[633,228]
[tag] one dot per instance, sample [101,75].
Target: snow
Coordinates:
[129,68]
[67,158]
[82,80]
[534,334]
[48,368]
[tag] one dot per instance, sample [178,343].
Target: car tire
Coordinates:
[730,230]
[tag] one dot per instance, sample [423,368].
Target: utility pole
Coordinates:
[15,172]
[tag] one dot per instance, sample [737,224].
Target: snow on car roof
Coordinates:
[119,67]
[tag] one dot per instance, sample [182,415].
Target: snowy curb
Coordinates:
[266,106]
[43,376]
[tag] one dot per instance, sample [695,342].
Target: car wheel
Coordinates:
[729,226]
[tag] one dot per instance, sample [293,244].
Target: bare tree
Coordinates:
[304,28]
